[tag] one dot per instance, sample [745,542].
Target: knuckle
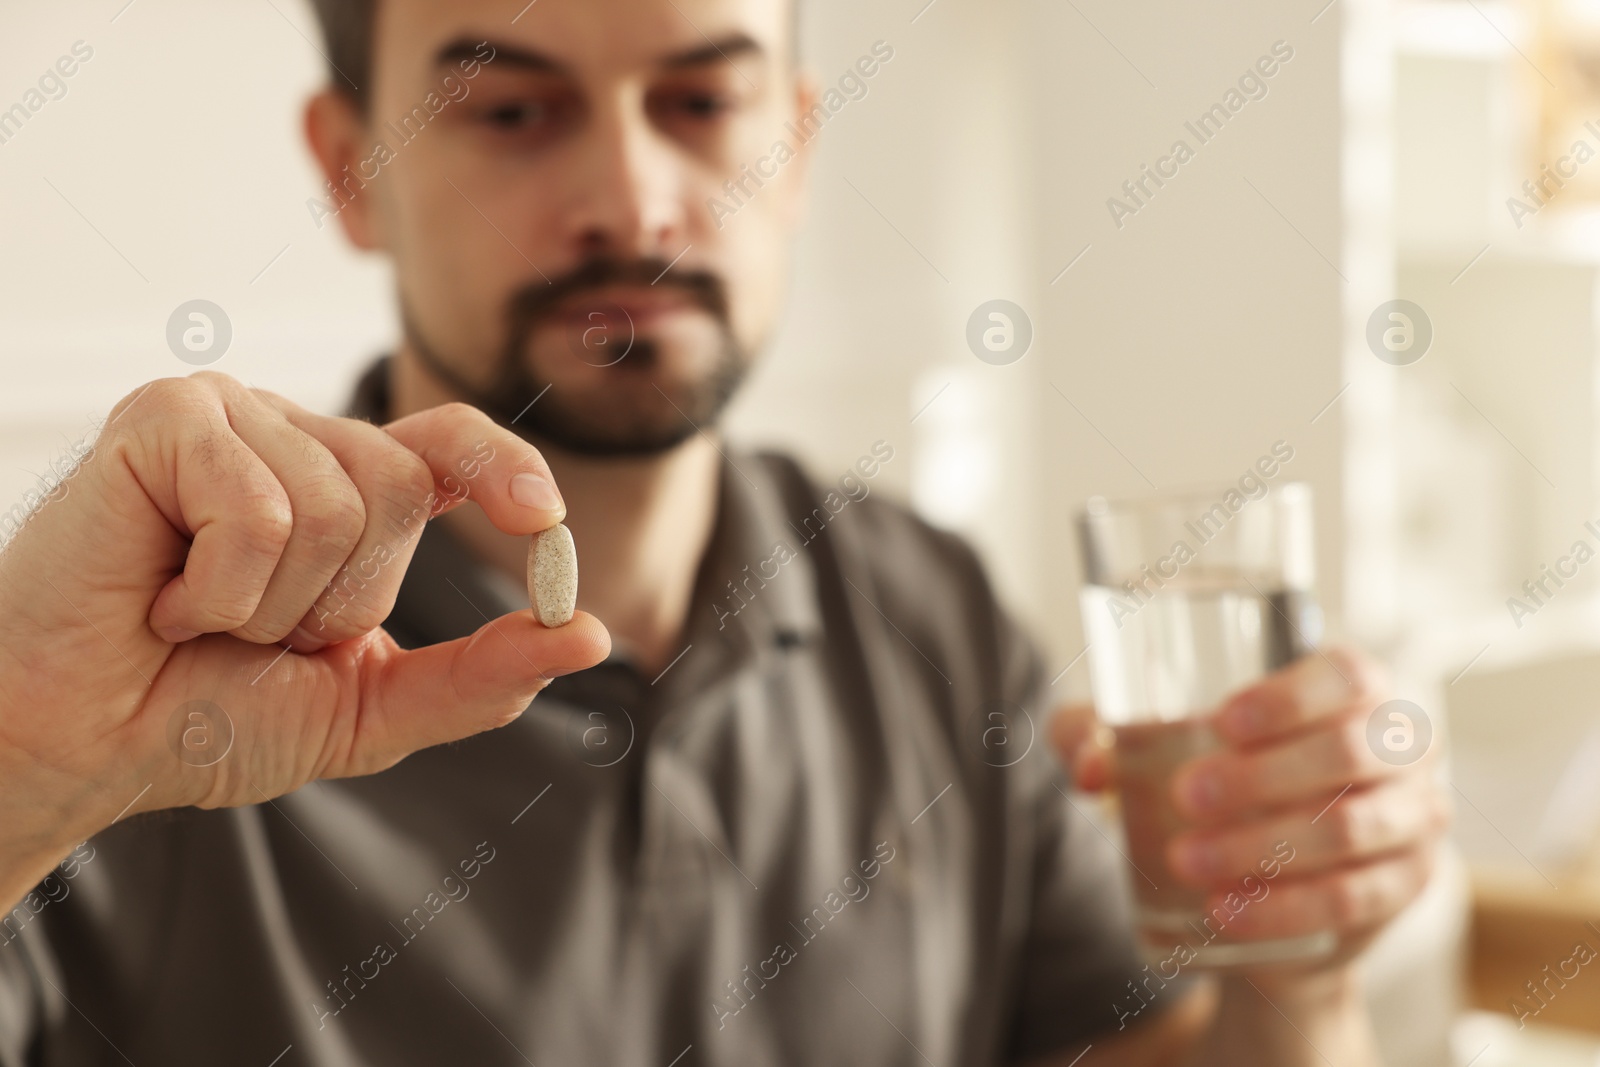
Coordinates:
[215,380]
[1248,781]
[405,478]
[462,419]
[134,394]
[114,416]
[331,516]
[1389,820]
[361,617]
[267,522]
[1368,680]
[459,411]
[1346,901]
[1347,828]
[1349,756]
[170,410]
[205,444]
[348,608]
[273,400]
[163,399]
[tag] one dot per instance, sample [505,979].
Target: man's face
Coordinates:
[550,206]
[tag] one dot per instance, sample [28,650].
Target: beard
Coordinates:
[631,419]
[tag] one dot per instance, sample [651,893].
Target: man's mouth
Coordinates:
[619,306]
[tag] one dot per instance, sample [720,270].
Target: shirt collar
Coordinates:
[757,573]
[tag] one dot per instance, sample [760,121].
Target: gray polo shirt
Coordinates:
[830,832]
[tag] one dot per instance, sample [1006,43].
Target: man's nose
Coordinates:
[628,194]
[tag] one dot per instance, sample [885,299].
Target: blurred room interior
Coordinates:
[1171,347]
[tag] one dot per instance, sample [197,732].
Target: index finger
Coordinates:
[473,457]
[1327,684]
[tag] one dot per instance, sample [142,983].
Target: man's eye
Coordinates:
[698,105]
[518,115]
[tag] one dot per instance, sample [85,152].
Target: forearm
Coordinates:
[1312,1021]
[26,859]
[38,828]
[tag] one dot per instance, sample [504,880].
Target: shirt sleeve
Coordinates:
[20,1004]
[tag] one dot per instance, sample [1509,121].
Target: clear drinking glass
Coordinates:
[1187,599]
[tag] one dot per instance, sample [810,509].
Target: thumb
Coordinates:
[411,700]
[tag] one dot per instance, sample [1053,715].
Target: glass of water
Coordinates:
[1187,599]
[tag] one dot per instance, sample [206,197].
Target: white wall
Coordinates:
[1191,339]
[177,142]
[1207,327]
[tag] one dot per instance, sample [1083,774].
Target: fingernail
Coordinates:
[535,491]
[1196,860]
[177,635]
[1202,790]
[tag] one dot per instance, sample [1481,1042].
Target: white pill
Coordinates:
[553,575]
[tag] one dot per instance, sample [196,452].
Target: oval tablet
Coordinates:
[553,575]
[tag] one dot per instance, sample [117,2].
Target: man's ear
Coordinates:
[806,94]
[337,135]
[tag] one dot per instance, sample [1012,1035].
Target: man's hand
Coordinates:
[1295,766]
[224,545]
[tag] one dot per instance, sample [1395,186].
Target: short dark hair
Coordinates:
[347,27]
[347,31]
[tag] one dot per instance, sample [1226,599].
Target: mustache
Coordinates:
[535,302]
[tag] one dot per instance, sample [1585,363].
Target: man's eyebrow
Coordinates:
[506,54]
[734,44]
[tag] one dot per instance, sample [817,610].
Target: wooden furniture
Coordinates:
[1535,949]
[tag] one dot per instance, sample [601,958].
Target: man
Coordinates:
[750,820]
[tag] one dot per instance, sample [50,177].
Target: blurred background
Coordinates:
[1443,153]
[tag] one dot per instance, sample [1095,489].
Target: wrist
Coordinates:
[1303,991]
[1291,1018]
